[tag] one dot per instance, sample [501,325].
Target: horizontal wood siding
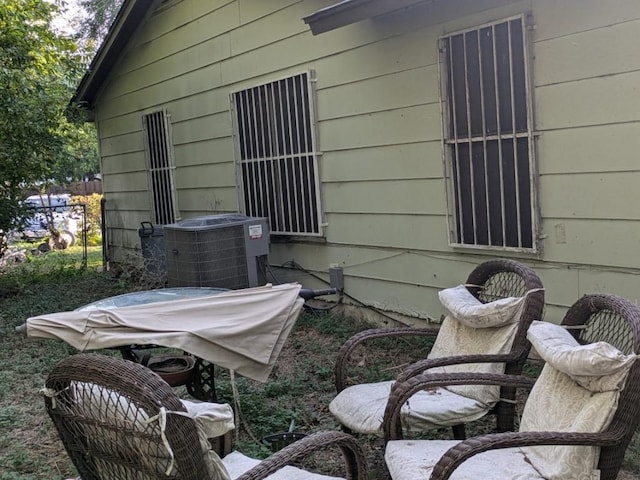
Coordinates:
[591,101]
[592,196]
[379,131]
[599,148]
[588,118]
[604,243]
[388,230]
[205,200]
[390,127]
[204,152]
[385,197]
[418,160]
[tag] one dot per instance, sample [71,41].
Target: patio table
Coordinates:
[200,383]
[242,330]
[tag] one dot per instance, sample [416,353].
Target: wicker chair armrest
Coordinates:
[420,366]
[473,446]
[401,392]
[354,459]
[340,371]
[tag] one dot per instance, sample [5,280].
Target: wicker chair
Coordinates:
[118,420]
[560,400]
[490,281]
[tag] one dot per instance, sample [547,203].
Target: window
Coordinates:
[160,164]
[489,136]
[274,132]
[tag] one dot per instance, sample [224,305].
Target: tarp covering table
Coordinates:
[242,330]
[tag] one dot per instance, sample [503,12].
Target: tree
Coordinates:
[39,69]
[100,14]
[80,155]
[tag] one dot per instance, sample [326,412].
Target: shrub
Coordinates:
[94,216]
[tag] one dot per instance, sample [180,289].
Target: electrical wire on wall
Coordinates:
[292,264]
[268,269]
[268,273]
[314,308]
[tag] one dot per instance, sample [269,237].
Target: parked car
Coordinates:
[65,220]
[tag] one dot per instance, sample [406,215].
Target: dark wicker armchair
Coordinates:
[489,281]
[610,320]
[118,420]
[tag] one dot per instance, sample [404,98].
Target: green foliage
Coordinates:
[60,266]
[100,16]
[80,154]
[8,415]
[39,69]
[632,457]
[330,324]
[94,219]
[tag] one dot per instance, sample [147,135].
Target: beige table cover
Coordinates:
[243,330]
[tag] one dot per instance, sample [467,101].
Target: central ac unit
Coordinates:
[226,251]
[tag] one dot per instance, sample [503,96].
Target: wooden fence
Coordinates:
[75,188]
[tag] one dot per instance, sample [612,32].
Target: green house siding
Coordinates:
[378,112]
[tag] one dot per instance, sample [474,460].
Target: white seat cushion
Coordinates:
[361,408]
[238,463]
[415,459]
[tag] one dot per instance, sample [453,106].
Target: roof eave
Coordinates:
[347,12]
[126,23]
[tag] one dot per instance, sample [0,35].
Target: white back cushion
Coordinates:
[470,311]
[577,391]
[472,327]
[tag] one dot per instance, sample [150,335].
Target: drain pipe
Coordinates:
[103,232]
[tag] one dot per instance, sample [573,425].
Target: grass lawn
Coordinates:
[299,388]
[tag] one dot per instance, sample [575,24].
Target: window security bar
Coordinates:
[160,164]
[489,136]
[275,145]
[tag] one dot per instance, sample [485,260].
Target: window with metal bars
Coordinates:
[160,164]
[489,138]
[274,130]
